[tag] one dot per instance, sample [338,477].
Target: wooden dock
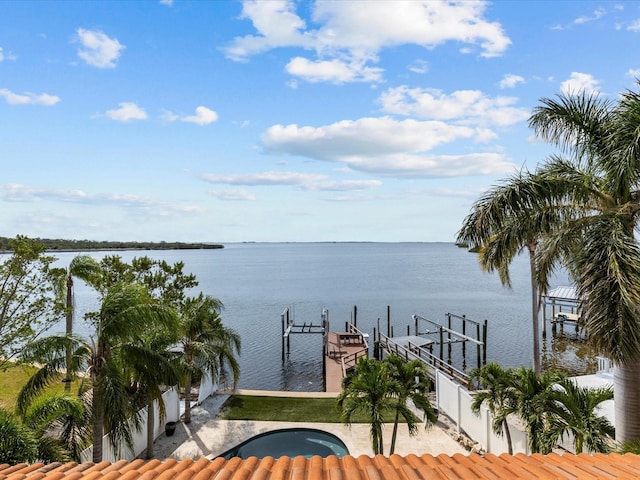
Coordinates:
[342,351]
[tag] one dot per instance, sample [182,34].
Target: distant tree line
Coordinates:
[83,245]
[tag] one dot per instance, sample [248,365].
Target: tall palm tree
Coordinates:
[412,383]
[126,314]
[592,189]
[534,402]
[207,345]
[148,378]
[368,389]
[498,395]
[500,226]
[578,416]
[598,183]
[87,269]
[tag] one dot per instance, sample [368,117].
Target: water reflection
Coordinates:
[570,353]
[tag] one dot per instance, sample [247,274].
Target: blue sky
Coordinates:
[283,120]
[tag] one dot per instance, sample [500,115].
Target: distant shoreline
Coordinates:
[62,245]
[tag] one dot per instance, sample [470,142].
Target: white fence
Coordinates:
[455,401]
[173,407]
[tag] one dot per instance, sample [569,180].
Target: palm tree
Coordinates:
[498,395]
[534,402]
[591,189]
[500,226]
[126,314]
[207,345]
[34,433]
[17,442]
[87,269]
[148,378]
[577,415]
[411,383]
[368,389]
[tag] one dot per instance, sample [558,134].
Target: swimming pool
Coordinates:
[289,442]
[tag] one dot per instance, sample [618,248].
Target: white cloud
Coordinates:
[634,72]
[168,3]
[264,178]
[97,49]
[510,80]
[419,66]
[352,33]
[463,106]
[28,98]
[235,195]
[597,14]
[127,111]
[580,82]
[6,56]
[346,185]
[634,26]
[305,181]
[277,25]
[168,116]
[334,71]
[27,194]
[203,116]
[387,146]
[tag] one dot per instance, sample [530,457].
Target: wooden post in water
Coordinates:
[449,338]
[355,315]
[478,338]
[389,321]
[464,343]
[441,343]
[484,342]
[282,318]
[375,345]
[288,336]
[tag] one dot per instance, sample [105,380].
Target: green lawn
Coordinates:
[285,409]
[13,378]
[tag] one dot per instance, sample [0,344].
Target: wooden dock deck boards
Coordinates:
[340,345]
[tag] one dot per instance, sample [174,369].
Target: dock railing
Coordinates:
[413,352]
[350,360]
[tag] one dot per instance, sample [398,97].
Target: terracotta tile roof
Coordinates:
[396,467]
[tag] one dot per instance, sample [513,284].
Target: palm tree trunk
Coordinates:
[150,428]
[507,433]
[626,392]
[395,433]
[379,434]
[98,424]
[187,400]
[534,308]
[69,331]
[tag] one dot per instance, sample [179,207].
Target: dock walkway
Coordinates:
[342,352]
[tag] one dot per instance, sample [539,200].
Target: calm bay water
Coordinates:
[257,281]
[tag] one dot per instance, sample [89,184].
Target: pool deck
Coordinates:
[208,436]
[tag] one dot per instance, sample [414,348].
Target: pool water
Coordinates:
[289,442]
